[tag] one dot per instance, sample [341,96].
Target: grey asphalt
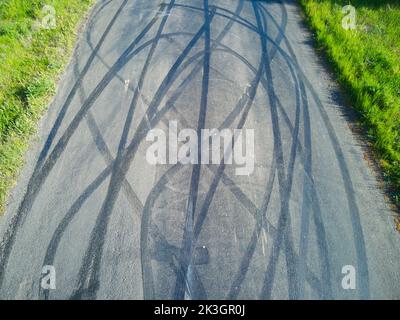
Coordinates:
[116,227]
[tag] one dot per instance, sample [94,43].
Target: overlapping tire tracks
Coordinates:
[188,282]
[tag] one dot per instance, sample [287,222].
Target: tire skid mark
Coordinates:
[314,281]
[309,181]
[354,212]
[89,274]
[300,267]
[212,190]
[187,251]
[108,158]
[146,264]
[285,183]
[259,213]
[147,213]
[179,259]
[76,86]
[317,220]
[43,167]
[90,268]
[359,242]
[307,277]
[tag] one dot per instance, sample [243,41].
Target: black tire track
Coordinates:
[313,281]
[293,261]
[77,85]
[285,183]
[89,275]
[187,251]
[43,168]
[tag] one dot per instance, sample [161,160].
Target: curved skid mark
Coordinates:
[90,270]
[285,183]
[180,259]
[195,177]
[43,168]
[88,281]
[76,86]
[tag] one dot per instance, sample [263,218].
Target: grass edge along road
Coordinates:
[36,42]
[366,61]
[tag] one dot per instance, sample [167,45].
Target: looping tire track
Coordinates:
[117,168]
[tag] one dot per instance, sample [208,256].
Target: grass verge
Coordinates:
[34,49]
[367,62]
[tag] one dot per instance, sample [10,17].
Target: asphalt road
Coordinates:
[115,226]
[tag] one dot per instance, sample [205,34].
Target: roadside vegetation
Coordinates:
[35,44]
[366,61]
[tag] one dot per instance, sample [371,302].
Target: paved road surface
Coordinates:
[114,226]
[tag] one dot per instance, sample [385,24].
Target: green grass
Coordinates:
[367,63]
[31,60]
